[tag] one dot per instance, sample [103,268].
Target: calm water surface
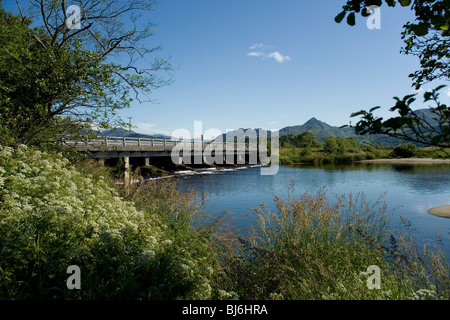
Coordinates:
[409,191]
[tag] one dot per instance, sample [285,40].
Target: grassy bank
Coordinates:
[155,242]
[320,156]
[312,249]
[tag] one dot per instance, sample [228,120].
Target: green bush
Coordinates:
[404,151]
[53,215]
[368,148]
[198,240]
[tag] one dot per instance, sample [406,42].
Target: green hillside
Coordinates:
[322,131]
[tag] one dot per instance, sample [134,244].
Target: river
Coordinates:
[409,190]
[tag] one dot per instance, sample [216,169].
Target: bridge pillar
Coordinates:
[147,162]
[126,180]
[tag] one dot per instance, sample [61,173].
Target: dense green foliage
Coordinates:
[302,140]
[56,80]
[410,125]
[340,150]
[404,151]
[41,83]
[53,215]
[334,150]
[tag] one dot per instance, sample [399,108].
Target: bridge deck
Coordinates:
[103,147]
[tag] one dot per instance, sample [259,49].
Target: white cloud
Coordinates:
[264,53]
[256,45]
[448,92]
[255,54]
[278,57]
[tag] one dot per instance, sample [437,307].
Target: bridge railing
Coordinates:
[151,142]
[122,142]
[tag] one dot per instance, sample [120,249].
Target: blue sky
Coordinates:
[331,71]
[271,64]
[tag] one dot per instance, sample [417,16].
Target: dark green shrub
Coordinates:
[404,151]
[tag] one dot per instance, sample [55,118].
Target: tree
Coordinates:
[306,140]
[302,140]
[331,145]
[427,37]
[430,129]
[58,76]
[404,151]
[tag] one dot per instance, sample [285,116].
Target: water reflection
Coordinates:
[412,188]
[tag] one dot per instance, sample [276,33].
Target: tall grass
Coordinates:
[199,240]
[312,249]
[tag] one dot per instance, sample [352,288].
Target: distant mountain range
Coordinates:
[320,129]
[120,132]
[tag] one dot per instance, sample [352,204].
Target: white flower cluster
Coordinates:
[425,294]
[44,196]
[35,186]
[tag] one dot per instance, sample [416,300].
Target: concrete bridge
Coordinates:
[165,153]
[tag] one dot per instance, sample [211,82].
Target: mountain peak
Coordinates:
[314,123]
[320,129]
[313,120]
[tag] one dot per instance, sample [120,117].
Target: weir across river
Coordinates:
[166,152]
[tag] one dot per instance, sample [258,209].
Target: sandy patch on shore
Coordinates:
[409,160]
[443,211]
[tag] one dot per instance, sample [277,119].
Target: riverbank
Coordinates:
[408,161]
[366,154]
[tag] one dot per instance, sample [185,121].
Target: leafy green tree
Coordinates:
[410,125]
[427,37]
[331,145]
[57,78]
[346,145]
[303,140]
[351,144]
[306,140]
